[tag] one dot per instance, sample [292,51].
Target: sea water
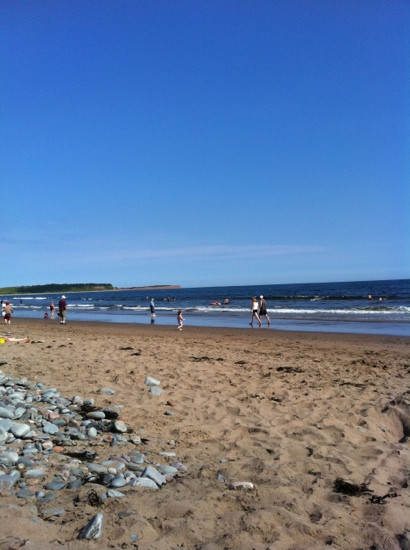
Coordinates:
[372,307]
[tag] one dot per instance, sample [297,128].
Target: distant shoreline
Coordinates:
[114,289]
[154,287]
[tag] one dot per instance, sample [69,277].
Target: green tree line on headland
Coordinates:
[56,288]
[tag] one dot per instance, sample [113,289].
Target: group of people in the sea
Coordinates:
[180,318]
[62,310]
[258,308]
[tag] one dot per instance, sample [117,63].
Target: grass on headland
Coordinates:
[54,288]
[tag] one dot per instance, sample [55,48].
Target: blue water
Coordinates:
[324,307]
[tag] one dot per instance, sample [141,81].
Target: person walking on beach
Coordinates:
[8,310]
[263,312]
[180,320]
[254,309]
[152,309]
[52,308]
[62,310]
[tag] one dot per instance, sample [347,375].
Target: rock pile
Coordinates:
[46,443]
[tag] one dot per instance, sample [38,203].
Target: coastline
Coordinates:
[288,411]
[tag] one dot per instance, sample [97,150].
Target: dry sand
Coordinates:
[289,412]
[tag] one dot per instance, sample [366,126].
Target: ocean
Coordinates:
[323,307]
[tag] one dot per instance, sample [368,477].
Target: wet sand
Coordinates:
[289,412]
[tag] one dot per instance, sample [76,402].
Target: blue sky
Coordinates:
[204,142]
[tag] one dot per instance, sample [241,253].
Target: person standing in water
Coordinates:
[263,312]
[62,310]
[180,320]
[254,309]
[152,309]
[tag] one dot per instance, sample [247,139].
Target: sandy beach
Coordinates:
[297,415]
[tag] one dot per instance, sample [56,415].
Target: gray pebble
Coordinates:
[93,529]
[151,473]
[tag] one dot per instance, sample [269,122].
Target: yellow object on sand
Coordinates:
[2,340]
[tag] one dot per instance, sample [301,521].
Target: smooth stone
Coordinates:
[96,415]
[8,458]
[47,445]
[60,422]
[55,485]
[26,462]
[149,381]
[108,391]
[118,481]
[17,396]
[151,473]
[114,464]
[93,529]
[144,482]
[35,473]
[18,413]
[19,430]
[139,459]
[155,390]
[167,470]
[179,466]
[50,428]
[241,485]
[97,468]
[25,493]
[112,493]
[6,424]
[6,413]
[77,400]
[75,484]
[92,432]
[120,426]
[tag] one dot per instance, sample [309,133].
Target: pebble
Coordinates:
[112,493]
[120,426]
[149,381]
[241,485]
[93,529]
[144,482]
[151,473]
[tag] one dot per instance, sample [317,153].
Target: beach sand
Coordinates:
[289,412]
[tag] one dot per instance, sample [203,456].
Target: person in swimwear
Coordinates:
[254,309]
[180,320]
[8,310]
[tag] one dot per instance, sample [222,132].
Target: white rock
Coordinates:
[241,485]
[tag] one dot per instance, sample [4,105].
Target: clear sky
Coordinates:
[204,142]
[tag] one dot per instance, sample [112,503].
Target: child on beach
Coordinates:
[8,311]
[180,319]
